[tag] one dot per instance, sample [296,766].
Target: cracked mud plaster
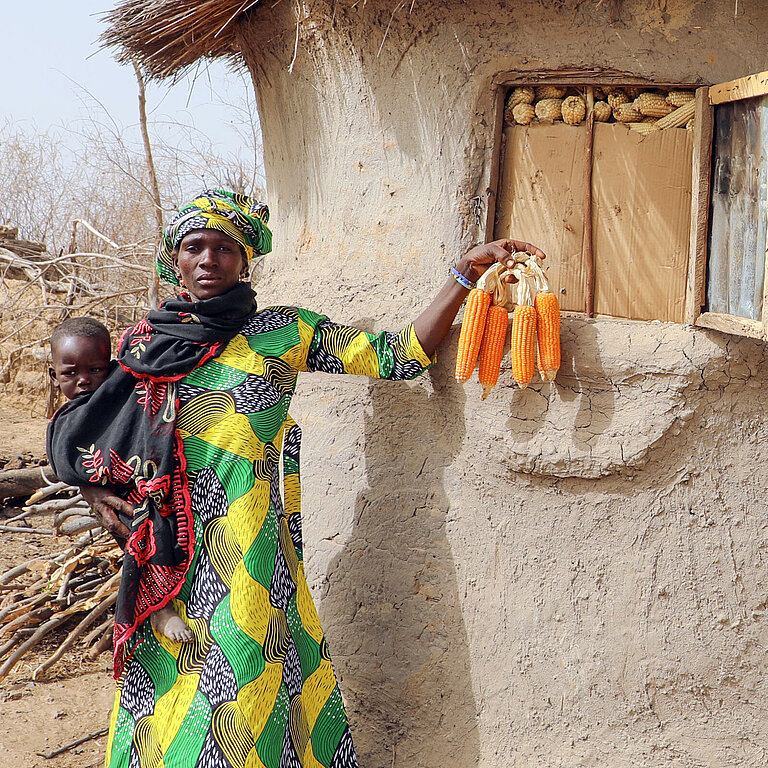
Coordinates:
[623,388]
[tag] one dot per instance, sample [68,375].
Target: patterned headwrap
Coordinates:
[241,217]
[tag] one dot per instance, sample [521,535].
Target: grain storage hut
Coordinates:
[567,575]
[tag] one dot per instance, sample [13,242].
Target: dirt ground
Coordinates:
[74,699]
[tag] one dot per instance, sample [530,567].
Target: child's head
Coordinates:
[80,352]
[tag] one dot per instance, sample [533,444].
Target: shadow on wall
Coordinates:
[400,642]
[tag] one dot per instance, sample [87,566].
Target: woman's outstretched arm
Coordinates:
[435,321]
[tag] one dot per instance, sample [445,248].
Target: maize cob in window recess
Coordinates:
[523,114]
[549,109]
[549,92]
[471,335]
[617,97]
[652,105]
[602,111]
[522,95]
[626,113]
[574,110]
[680,98]
[632,91]
[492,348]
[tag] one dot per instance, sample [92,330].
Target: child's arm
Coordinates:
[105,504]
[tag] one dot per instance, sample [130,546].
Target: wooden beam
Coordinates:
[695,295]
[496,157]
[743,88]
[587,250]
[731,324]
[586,76]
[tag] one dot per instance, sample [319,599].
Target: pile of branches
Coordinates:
[76,586]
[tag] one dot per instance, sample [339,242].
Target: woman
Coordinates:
[192,432]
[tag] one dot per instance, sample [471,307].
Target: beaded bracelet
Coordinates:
[463,281]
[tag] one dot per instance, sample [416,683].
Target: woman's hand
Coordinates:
[475,262]
[105,504]
[434,322]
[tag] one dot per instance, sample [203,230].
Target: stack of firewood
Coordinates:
[76,586]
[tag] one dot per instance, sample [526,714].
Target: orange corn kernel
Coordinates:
[471,336]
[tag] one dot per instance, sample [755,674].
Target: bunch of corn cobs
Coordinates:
[630,105]
[535,338]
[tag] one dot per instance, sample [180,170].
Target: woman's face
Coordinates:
[209,263]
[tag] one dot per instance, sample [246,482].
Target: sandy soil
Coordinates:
[37,718]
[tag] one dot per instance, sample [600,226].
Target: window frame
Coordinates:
[707,97]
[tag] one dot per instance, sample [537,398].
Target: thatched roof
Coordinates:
[165,36]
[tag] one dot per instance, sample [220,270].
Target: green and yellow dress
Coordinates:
[256,687]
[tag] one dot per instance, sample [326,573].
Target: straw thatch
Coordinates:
[165,36]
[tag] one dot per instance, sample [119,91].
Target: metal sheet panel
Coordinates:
[738,208]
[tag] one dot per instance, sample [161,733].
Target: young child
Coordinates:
[80,357]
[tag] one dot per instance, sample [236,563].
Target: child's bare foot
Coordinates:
[168,623]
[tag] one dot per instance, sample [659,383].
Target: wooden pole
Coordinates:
[587,252]
[154,286]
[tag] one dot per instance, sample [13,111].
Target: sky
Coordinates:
[54,75]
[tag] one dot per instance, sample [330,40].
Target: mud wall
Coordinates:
[571,575]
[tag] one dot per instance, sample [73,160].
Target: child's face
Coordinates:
[80,364]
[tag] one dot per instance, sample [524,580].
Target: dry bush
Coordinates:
[96,173]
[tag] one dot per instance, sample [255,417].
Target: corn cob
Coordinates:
[617,97]
[678,117]
[471,334]
[626,113]
[492,348]
[523,346]
[523,114]
[652,105]
[643,127]
[632,91]
[602,112]
[522,95]
[573,110]
[548,333]
[680,98]
[549,92]
[549,109]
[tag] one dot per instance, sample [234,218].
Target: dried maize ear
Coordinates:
[523,114]
[679,116]
[523,346]
[573,110]
[616,97]
[549,109]
[644,128]
[599,93]
[492,348]
[549,92]
[651,120]
[522,95]
[626,113]
[602,112]
[652,105]
[471,335]
[680,98]
[632,91]
[548,334]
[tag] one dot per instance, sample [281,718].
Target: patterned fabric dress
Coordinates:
[256,687]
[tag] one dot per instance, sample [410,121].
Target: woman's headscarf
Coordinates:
[241,217]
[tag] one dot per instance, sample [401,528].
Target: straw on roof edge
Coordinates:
[166,36]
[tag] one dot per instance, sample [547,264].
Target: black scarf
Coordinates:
[124,435]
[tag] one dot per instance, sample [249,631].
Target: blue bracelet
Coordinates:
[463,281]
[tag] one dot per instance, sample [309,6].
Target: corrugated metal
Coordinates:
[737,228]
